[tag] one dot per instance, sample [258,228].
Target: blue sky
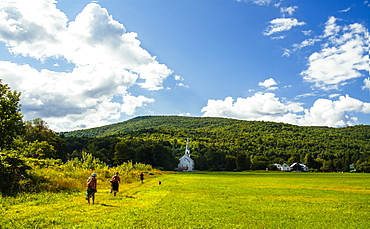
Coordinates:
[82,64]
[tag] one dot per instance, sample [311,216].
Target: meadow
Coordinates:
[203,200]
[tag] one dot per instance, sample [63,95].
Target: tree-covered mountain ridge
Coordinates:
[222,143]
[220,125]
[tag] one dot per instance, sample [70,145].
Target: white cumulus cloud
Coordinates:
[325,112]
[261,107]
[107,60]
[268,84]
[366,84]
[342,58]
[267,107]
[282,24]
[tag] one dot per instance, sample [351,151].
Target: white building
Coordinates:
[186,163]
[302,167]
[283,167]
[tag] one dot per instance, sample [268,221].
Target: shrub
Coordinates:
[13,173]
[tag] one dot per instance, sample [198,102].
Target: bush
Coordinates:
[13,173]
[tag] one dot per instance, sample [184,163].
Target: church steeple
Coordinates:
[187,150]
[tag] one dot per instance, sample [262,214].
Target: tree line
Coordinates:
[227,144]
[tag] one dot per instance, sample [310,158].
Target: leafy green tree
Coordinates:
[294,158]
[328,166]
[259,163]
[319,163]
[12,171]
[215,159]
[200,163]
[123,153]
[363,166]
[37,130]
[243,162]
[309,160]
[11,124]
[163,157]
[230,163]
[40,150]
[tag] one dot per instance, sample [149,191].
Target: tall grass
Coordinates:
[53,175]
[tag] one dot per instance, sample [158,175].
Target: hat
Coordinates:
[94,174]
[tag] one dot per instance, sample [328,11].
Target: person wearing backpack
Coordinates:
[115,183]
[91,188]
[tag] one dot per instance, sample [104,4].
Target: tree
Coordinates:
[12,170]
[37,130]
[122,153]
[201,163]
[309,161]
[230,163]
[243,162]
[11,124]
[294,158]
[259,163]
[215,159]
[36,149]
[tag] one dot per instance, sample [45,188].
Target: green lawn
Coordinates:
[205,200]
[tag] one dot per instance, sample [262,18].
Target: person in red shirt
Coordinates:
[91,188]
[115,183]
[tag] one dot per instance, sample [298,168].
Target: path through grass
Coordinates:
[205,200]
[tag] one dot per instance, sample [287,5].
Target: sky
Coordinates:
[83,64]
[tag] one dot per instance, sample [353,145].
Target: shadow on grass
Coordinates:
[108,205]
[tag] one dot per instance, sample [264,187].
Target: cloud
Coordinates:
[334,95]
[268,84]
[289,10]
[182,85]
[345,10]
[258,2]
[261,107]
[282,24]
[343,56]
[325,112]
[184,114]
[306,95]
[81,94]
[307,32]
[107,60]
[366,84]
[267,107]
[131,103]
[179,78]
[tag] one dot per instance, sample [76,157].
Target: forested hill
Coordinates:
[170,122]
[220,125]
[220,143]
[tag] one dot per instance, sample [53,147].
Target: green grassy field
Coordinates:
[204,200]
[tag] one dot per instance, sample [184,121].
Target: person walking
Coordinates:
[91,188]
[141,178]
[115,183]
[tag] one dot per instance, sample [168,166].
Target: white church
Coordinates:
[186,163]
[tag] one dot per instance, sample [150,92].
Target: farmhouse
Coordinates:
[299,167]
[283,167]
[294,167]
[186,163]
